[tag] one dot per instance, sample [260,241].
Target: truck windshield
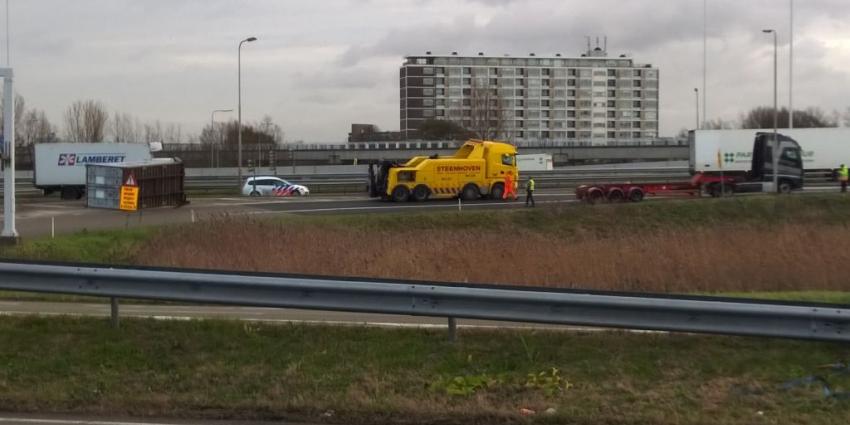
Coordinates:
[508,159]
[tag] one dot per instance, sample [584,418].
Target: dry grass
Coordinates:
[744,257]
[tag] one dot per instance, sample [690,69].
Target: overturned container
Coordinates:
[131,186]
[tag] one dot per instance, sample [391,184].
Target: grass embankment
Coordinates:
[745,244]
[368,375]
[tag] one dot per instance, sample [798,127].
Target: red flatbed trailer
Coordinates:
[635,192]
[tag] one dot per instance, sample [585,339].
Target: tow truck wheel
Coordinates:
[785,187]
[400,194]
[421,193]
[497,191]
[469,192]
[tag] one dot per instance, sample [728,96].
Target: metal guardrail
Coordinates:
[598,309]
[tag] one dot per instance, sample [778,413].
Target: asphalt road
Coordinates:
[36,216]
[255,314]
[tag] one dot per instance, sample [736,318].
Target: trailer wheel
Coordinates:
[421,193]
[497,191]
[400,194]
[636,195]
[595,196]
[616,196]
[470,192]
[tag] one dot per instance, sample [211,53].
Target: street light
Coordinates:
[239,121]
[775,117]
[212,134]
[696,92]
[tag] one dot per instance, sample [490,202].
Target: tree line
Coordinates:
[89,121]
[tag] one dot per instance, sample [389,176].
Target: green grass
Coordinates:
[108,246]
[832,297]
[372,375]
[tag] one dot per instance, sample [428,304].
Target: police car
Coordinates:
[272,186]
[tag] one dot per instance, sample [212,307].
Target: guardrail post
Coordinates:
[114,312]
[452,329]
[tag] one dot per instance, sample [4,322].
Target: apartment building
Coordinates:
[589,100]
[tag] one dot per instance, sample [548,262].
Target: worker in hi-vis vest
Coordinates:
[842,177]
[529,191]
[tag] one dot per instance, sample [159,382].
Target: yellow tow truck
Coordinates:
[478,169]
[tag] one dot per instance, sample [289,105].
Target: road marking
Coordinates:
[444,206]
[73,422]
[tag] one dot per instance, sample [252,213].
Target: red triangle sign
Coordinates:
[131,181]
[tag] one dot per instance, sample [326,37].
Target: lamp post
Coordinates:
[775,117]
[212,135]
[696,92]
[791,67]
[239,90]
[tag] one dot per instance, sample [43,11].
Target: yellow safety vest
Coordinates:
[842,174]
[531,185]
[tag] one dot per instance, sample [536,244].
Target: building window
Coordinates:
[427,102]
[636,104]
[544,92]
[612,135]
[637,73]
[612,93]
[544,114]
[520,92]
[545,83]
[571,135]
[520,113]
[571,82]
[571,93]
[637,83]
[520,102]
[571,72]
[636,93]
[494,81]
[441,113]
[637,114]
[467,92]
[467,102]
[519,124]
[612,124]
[428,70]
[428,81]
[428,113]
[571,103]
[612,104]
[612,83]
[571,114]
[636,134]
[612,73]
[612,114]
[467,71]
[544,103]
[546,71]
[428,92]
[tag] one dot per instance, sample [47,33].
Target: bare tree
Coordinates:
[762,117]
[485,115]
[35,128]
[125,129]
[268,127]
[85,121]
[153,132]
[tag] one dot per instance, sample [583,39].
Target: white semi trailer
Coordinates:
[61,167]
[712,151]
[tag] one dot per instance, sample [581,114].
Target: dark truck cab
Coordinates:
[760,176]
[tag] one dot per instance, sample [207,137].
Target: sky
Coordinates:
[320,65]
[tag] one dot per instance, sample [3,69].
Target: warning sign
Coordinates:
[131,180]
[129,197]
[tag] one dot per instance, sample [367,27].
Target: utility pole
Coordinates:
[10,232]
[791,69]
